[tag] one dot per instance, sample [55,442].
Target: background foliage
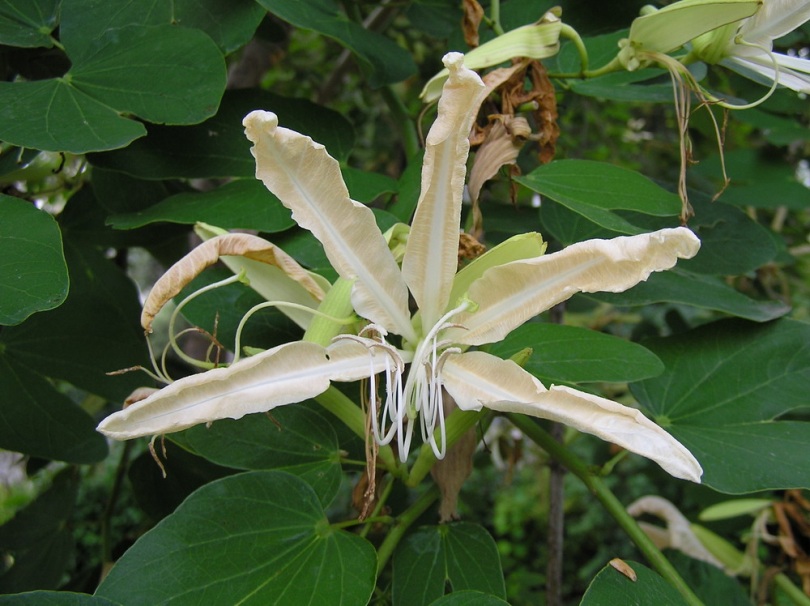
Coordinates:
[121,127]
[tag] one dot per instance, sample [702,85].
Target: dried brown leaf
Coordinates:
[470,21]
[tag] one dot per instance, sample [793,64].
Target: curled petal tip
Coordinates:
[259,121]
[453,60]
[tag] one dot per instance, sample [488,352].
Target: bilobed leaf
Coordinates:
[33,273]
[37,420]
[255,538]
[295,439]
[382,60]
[28,23]
[707,292]
[462,555]
[725,387]
[44,114]
[159,73]
[238,204]
[162,73]
[217,147]
[230,25]
[93,332]
[569,354]
[610,586]
[595,189]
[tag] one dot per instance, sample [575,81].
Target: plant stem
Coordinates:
[347,411]
[403,523]
[572,34]
[599,489]
[796,595]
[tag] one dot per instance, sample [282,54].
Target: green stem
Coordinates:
[796,595]
[495,17]
[356,522]
[403,523]
[458,423]
[336,304]
[599,489]
[614,66]
[403,120]
[569,32]
[350,414]
[109,509]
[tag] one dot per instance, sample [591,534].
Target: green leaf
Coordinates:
[38,540]
[569,354]
[612,587]
[239,204]
[160,495]
[461,555]
[220,311]
[54,598]
[709,583]
[218,147]
[34,276]
[28,23]
[93,332]
[295,439]
[256,538]
[725,385]
[381,59]
[160,73]
[37,420]
[707,292]
[627,86]
[50,114]
[365,186]
[469,598]
[595,189]
[757,180]
[230,25]
[731,243]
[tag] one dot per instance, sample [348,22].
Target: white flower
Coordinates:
[480,304]
[747,46]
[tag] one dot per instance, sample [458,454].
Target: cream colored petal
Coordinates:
[267,260]
[535,41]
[477,379]
[775,19]
[307,180]
[431,255]
[283,375]
[510,294]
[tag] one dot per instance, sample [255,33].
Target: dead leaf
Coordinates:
[470,21]
[624,568]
